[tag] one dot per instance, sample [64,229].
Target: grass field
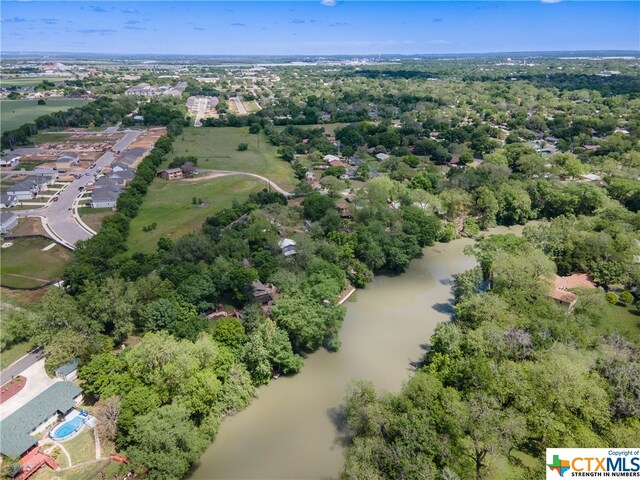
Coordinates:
[217,148]
[10,355]
[81,448]
[169,205]
[29,81]
[251,106]
[25,265]
[14,113]
[93,216]
[90,471]
[623,320]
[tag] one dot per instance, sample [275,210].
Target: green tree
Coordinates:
[165,442]
[229,332]
[316,206]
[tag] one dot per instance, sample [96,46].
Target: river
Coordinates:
[289,431]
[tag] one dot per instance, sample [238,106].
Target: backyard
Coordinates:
[217,149]
[169,204]
[624,320]
[26,265]
[14,113]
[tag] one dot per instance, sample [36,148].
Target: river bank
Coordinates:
[292,429]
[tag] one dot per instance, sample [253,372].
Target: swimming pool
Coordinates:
[67,429]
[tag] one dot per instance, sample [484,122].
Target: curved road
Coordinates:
[60,218]
[209,174]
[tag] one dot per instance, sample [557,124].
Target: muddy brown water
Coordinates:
[290,431]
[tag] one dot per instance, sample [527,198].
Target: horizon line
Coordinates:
[488,53]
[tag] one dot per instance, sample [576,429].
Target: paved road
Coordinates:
[202,108]
[21,365]
[59,217]
[239,106]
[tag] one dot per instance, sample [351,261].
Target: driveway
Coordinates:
[17,367]
[37,382]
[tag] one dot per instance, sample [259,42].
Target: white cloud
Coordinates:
[550,1]
[328,3]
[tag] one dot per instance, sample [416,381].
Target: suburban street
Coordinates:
[21,365]
[239,106]
[59,218]
[202,108]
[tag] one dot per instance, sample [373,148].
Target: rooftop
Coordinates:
[67,368]
[6,217]
[15,438]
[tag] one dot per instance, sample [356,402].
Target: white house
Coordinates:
[24,190]
[8,221]
[287,246]
[331,158]
[10,161]
[8,201]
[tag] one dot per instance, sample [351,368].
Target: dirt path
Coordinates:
[65,452]
[98,448]
[222,173]
[28,278]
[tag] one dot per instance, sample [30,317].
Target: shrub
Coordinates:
[242,147]
[626,297]
[611,298]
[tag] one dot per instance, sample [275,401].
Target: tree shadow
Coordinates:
[338,418]
[447,281]
[443,307]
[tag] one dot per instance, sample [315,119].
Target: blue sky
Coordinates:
[317,27]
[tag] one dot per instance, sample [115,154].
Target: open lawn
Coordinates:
[90,471]
[25,265]
[22,298]
[251,106]
[81,448]
[169,205]
[10,355]
[29,81]
[623,320]
[217,148]
[93,216]
[15,113]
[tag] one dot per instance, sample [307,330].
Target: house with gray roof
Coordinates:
[67,160]
[105,197]
[24,190]
[122,177]
[9,161]
[8,221]
[131,157]
[7,201]
[17,430]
